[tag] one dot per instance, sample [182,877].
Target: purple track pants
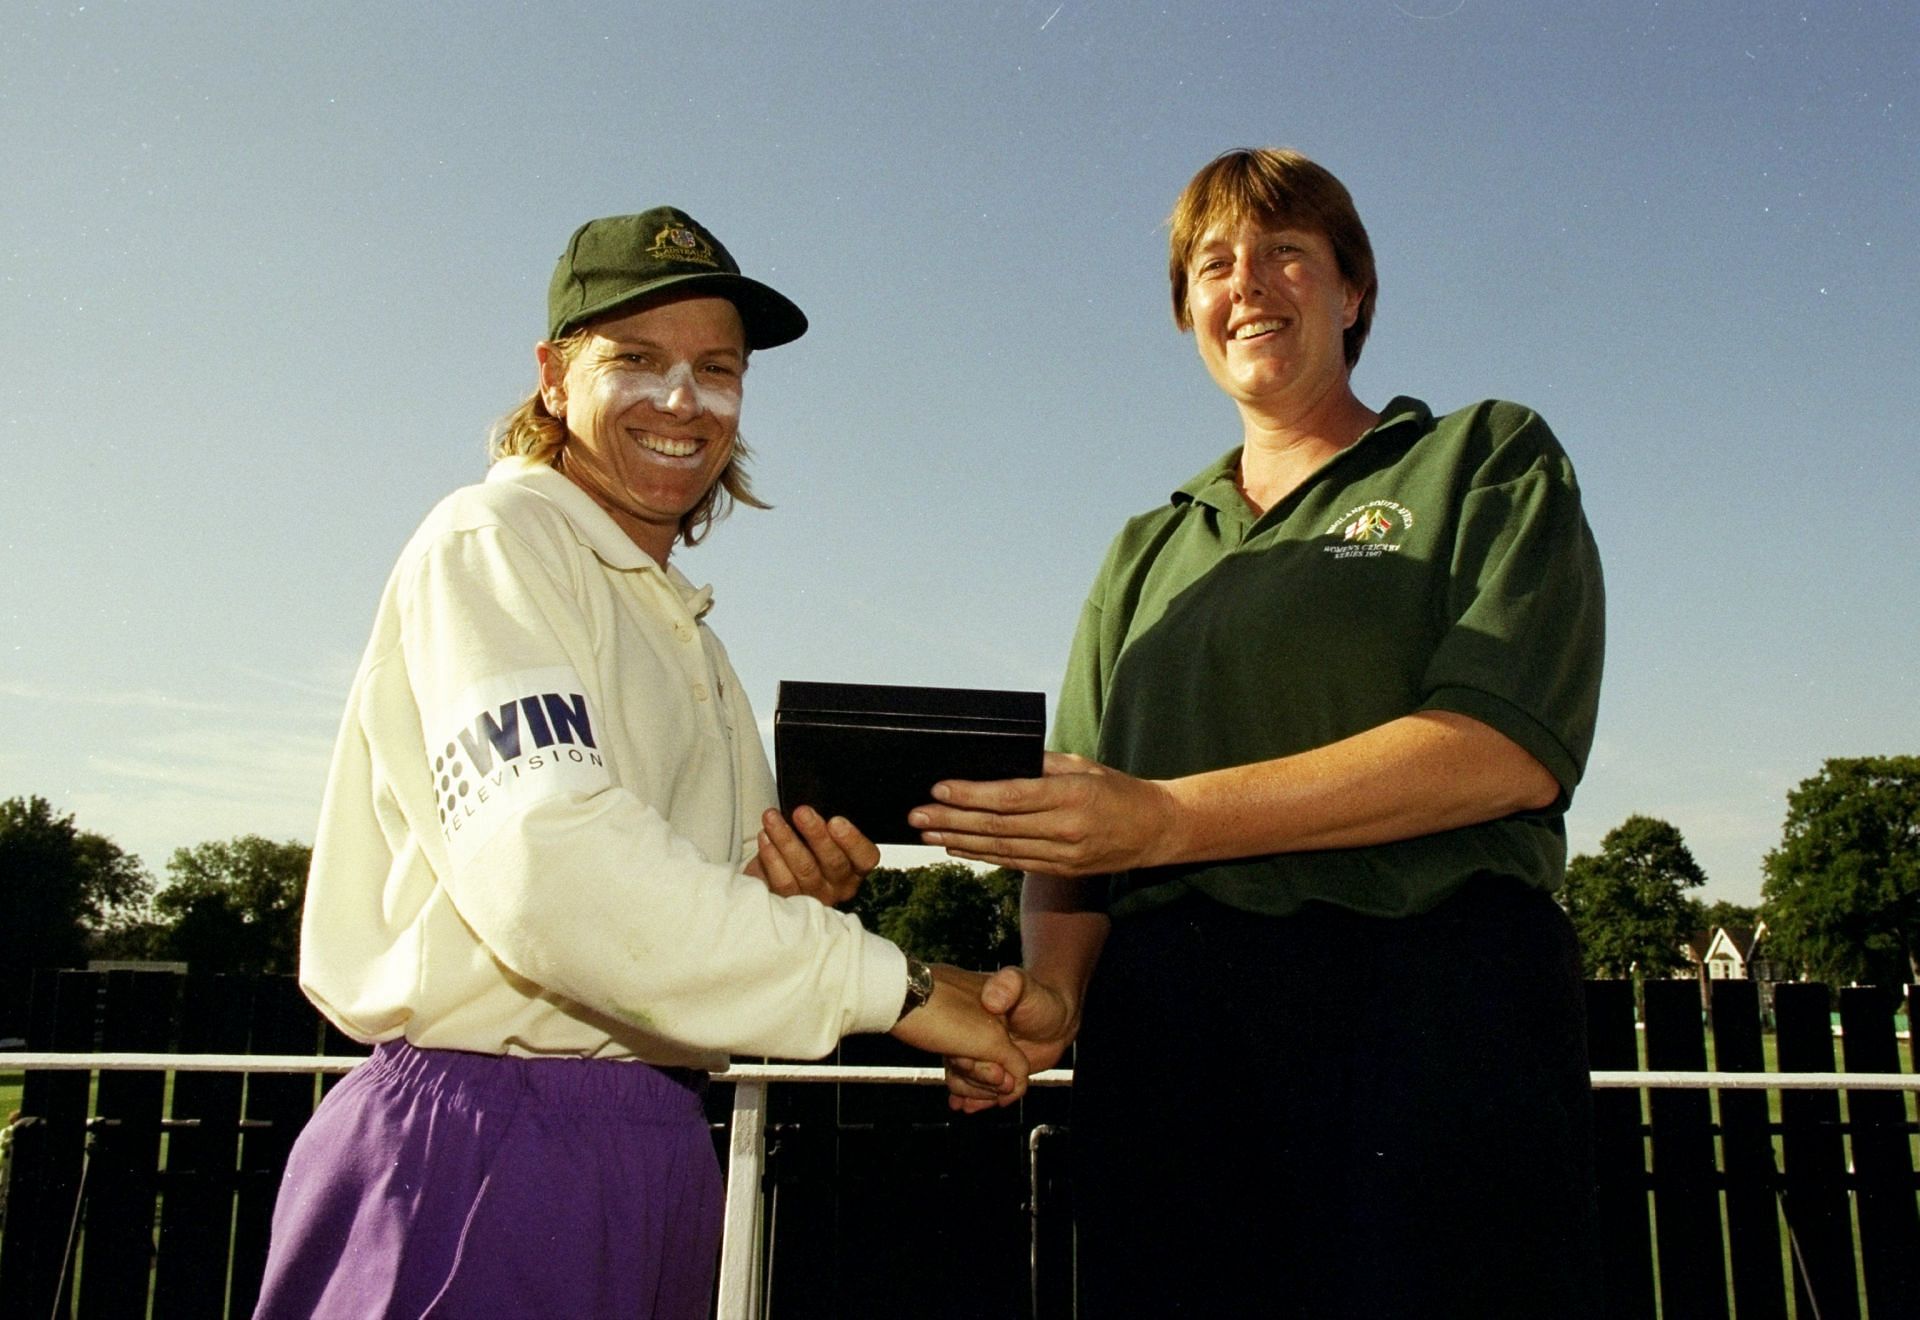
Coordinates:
[446,1184]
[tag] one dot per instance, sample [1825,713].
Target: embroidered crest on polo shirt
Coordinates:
[507,742]
[679,243]
[1369,530]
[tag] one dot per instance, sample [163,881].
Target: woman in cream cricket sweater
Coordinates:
[530,885]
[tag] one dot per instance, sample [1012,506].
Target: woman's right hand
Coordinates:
[1041,1019]
[1079,819]
[955,1023]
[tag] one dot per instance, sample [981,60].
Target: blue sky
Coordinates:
[268,272]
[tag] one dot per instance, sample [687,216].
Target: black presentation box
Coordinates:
[872,752]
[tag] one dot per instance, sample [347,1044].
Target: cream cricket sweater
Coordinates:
[538,808]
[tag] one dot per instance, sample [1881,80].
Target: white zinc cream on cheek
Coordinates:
[659,390]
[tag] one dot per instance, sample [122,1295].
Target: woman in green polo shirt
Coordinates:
[1289,868]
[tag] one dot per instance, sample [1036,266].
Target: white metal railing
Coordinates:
[742,1266]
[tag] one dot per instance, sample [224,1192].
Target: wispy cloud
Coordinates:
[329,681]
[156,793]
[153,700]
[155,770]
[254,764]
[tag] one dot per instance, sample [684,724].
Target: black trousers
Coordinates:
[1330,1115]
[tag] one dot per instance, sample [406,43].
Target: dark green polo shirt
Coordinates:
[1432,565]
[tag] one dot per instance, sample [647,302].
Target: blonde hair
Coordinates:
[1273,185]
[532,432]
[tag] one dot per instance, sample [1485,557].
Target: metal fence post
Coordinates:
[741,1257]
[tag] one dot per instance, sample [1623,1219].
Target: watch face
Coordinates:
[919,986]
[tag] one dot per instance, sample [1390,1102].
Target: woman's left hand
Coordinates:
[1080,819]
[822,859]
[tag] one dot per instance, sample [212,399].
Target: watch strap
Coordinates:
[919,986]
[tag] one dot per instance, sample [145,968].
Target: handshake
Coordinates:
[994,1029]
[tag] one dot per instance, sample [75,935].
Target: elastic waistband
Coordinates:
[626,1087]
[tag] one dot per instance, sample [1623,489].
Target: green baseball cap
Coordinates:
[622,259]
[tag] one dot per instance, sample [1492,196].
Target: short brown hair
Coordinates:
[531,431]
[1274,185]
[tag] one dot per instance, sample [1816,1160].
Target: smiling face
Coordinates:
[652,403]
[1269,311]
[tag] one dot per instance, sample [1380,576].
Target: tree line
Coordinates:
[69,896]
[1840,895]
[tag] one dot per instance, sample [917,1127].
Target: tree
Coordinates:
[57,883]
[1630,904]
[945,912]
[234,905]
[1734,916]
[1842,891]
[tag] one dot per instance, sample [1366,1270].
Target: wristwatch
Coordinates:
[919,986]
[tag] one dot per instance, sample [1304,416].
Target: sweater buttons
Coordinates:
[699,691]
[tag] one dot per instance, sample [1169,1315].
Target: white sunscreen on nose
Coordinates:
[661,389]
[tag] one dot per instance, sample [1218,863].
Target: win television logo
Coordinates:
[509,749]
